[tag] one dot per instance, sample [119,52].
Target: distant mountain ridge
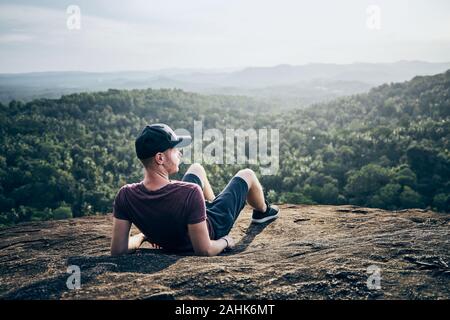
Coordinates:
[287,84]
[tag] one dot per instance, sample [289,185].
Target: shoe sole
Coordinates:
[265,219]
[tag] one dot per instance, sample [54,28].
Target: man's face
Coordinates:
[173,159]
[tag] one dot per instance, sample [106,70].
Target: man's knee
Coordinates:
[248,175]
[196,167]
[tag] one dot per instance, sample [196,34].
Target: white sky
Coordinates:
[147,35]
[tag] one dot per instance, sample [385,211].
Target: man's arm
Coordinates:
[121,242]
[202,244]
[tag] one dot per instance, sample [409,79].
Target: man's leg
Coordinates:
[200,172]
[225,209]
[255,196]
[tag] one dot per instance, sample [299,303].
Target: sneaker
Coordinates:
[270,214]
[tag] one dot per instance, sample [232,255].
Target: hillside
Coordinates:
[386,149]
[310,252]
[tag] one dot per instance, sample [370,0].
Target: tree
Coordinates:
[405,176]
[441,202]
[387,197]
[364,183]
[410,198]
[62,212]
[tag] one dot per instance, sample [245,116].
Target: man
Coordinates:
[181,215]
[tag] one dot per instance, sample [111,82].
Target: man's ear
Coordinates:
[159,158]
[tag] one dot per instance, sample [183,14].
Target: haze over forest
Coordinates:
[287,85]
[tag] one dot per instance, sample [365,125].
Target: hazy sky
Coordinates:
[146,35]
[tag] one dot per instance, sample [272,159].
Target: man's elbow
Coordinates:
[205,252]
[116,252]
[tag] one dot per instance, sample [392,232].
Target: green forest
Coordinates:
[388,148]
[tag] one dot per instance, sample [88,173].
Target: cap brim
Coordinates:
[183,141]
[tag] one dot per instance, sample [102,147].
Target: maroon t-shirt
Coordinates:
[163,215]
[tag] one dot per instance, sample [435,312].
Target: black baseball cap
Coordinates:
[158,138]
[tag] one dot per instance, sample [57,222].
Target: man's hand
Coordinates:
[135,242]
[230,241]
[153,245]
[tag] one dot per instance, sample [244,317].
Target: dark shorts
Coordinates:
[226,207]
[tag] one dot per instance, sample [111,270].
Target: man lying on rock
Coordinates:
[174,215]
